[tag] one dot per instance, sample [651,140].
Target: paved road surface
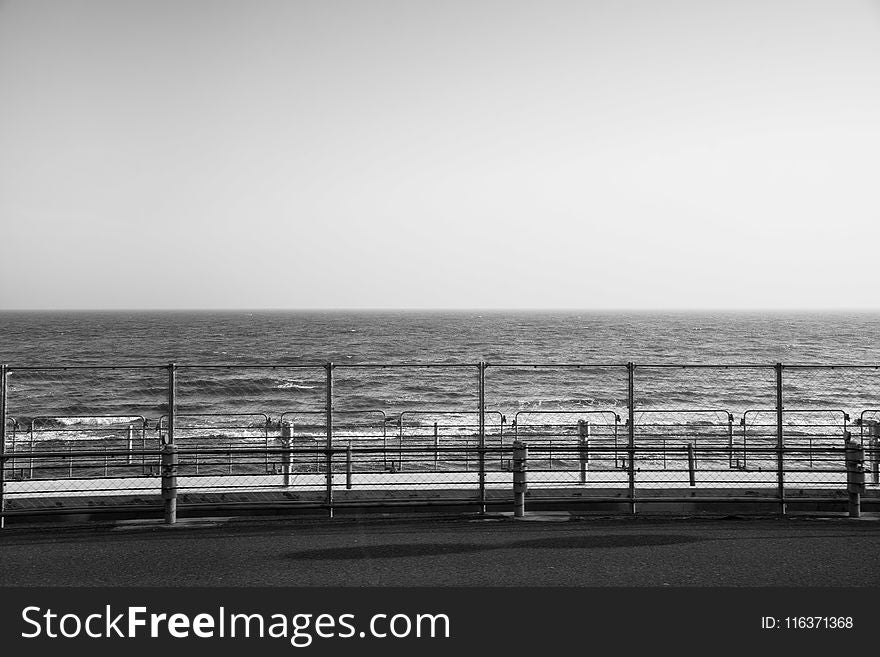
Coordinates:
[446,551]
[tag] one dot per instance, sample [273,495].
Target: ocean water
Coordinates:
[271,363]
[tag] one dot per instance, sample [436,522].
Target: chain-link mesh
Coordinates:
[80,433]
[688,431]
[426,437]
[229,427]
[822,406]
[570,416]
[366,434]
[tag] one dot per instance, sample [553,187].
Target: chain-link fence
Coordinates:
[336,435]
[79,433]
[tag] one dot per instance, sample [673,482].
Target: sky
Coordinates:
[439,154]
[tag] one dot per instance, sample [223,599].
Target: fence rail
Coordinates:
[116,438]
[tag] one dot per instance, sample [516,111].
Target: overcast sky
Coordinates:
[430,153]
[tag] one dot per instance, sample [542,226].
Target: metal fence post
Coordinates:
[286,455]
[266,436]
[691,473]
[31,452]
[3,413]
[780,441]
[348,466]
[172,402]
[520,467]
[329,493]
[169,453]
[730,440]
[631,408]
[482,454]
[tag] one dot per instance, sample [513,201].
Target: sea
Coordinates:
[273,365]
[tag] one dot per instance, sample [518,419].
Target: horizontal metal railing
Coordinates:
[638,451]
[678,473]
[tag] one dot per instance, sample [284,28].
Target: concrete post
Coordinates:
[520,467]
[169,482]
[584,439]
[855,475]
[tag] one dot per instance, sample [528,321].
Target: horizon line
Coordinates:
[339,309]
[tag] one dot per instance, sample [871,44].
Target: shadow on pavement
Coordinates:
[397,550]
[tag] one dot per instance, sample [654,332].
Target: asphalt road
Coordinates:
[449,551]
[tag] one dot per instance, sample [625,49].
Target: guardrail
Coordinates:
[678,480]
[613,442]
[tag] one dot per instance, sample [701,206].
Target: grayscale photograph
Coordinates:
[438,294]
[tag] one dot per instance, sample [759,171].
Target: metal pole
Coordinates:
[780,441]
[172,402]
[12,463]
[875,461]
[31,453]
[630,399]
[329,500]
[287,455]
[730,440]
[169,452]
[616,434]
[690,451]
[130,444]
[399,443]
[520,466]
[348,466]
[584,434]
[482,454]
[384,445]
[3,413]
[501,442]
[436,446]
[266,436]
